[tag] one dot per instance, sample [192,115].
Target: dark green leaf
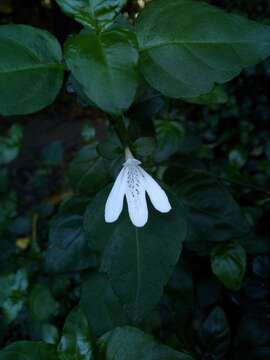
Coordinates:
[180,285]
[98,14]
[142,257]
[8,209]
[76,341]
[261,266]
[73,86]
[68,248]
[101,305]
[10,144]
[149,103]
[28,350]
[88,172]
[13,289]
[179,296]
[31,73]
[42,305]
[144,146]
[130,343]
[22,225]
[228,263]
[97,231]
[170,135]
[216,96]
[110,148]
[49,333]
[213,213]
[74,205]
[7,248]
[214,334]
[40,331]
[105,65]
[206,45]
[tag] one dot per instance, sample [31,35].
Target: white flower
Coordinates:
[134,182]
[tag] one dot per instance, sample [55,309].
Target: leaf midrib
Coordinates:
[184,43]
[138,263]
[52,66]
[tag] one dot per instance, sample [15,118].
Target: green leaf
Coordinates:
[110,148]
[7,248]
[98,14]
[68,248]
[53,153]
[213,214]
[214,334]
[206,45]
[216,96]
[87,172]
[170,135]
[49,333]
[261,266]
[142,257]
[21,225]
[144,146]
[148,104]
[31,73]
[228,263]
[130,343]
[76,341]
[74,87]
[75,205]
[105,65]
[180,290]
[101,305]
[13,289]
[10,144]
[8,209]
[42,331]
[28,350]
[42,305]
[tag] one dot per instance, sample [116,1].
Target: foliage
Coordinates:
[193,283]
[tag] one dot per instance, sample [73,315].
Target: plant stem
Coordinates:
[121,131]
[35,245]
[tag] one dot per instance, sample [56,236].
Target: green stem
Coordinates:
[35,245]
[121,131]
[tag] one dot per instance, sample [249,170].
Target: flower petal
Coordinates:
[114,203]
[136,199]
[157,195]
